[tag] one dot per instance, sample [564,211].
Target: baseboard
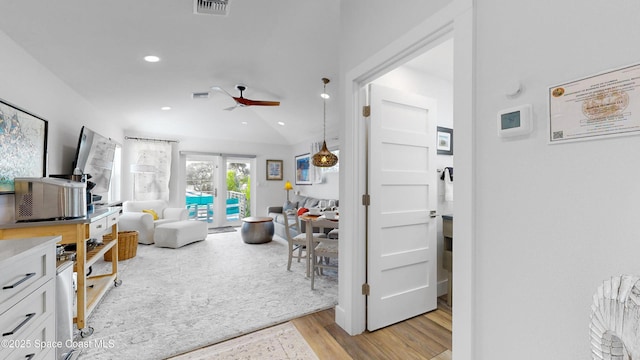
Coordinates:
[443,287]
[340,316]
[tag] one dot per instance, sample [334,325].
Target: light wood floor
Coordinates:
[426,336]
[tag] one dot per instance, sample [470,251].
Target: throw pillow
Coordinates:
[302,211]
[152,212]
[288,205]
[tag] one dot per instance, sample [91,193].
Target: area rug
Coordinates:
[221,229]
[280,342]
[172,301]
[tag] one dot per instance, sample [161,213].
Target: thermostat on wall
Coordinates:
[515,121]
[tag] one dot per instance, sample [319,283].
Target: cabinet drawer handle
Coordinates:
[29,317]
[30,356]
[99,226]
[25,278]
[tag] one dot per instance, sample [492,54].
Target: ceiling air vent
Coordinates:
[200,95]
[211,7]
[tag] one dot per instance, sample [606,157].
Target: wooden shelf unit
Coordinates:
[78,231]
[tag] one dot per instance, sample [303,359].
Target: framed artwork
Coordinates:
[303,169]
[445,141]
[274,169]
[23,146]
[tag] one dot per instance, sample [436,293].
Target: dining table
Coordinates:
[311,221]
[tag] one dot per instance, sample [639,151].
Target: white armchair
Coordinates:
[134,219]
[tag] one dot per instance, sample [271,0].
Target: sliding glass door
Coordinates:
[200,192]
[218,188]
[238,190]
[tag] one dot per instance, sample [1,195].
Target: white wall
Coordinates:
[553,221]
[369,25]
[28,85]
[550,222]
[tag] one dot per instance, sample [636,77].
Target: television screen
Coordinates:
[94,156]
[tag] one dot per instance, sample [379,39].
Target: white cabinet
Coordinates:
[27,298]
[77,231]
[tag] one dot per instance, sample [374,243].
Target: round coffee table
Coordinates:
[257,230]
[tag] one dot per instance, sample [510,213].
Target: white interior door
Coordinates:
[401,264]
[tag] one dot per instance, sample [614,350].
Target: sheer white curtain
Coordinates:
[151,169]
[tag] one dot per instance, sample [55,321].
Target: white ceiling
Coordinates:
[280,49]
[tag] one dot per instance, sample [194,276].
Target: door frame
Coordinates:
[454,20]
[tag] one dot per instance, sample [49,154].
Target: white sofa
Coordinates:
[134,219]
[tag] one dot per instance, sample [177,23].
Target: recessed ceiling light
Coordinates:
[244,123]
[165,108]
[151,58]
[280,123]
[325,95]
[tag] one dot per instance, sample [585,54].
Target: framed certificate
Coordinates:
[602,105]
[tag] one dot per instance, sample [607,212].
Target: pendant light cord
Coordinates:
[324,115]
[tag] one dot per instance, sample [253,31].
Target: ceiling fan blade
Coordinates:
[242,101]
[249,102]
[218,88]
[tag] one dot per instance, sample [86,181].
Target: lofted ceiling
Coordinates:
[279,49]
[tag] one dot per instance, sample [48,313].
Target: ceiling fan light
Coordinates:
[151,58]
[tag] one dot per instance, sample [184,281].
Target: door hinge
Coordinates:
[365,289]
[366,110]
[366,200]
[433,213]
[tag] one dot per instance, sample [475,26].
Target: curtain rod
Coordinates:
[148,139]
[247,156]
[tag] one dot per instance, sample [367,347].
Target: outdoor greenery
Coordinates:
[199,178]
[199,175]
[238,180]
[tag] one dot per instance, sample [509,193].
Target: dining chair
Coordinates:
[323,250]
[298,242]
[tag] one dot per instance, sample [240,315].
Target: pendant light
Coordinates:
[324,158]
